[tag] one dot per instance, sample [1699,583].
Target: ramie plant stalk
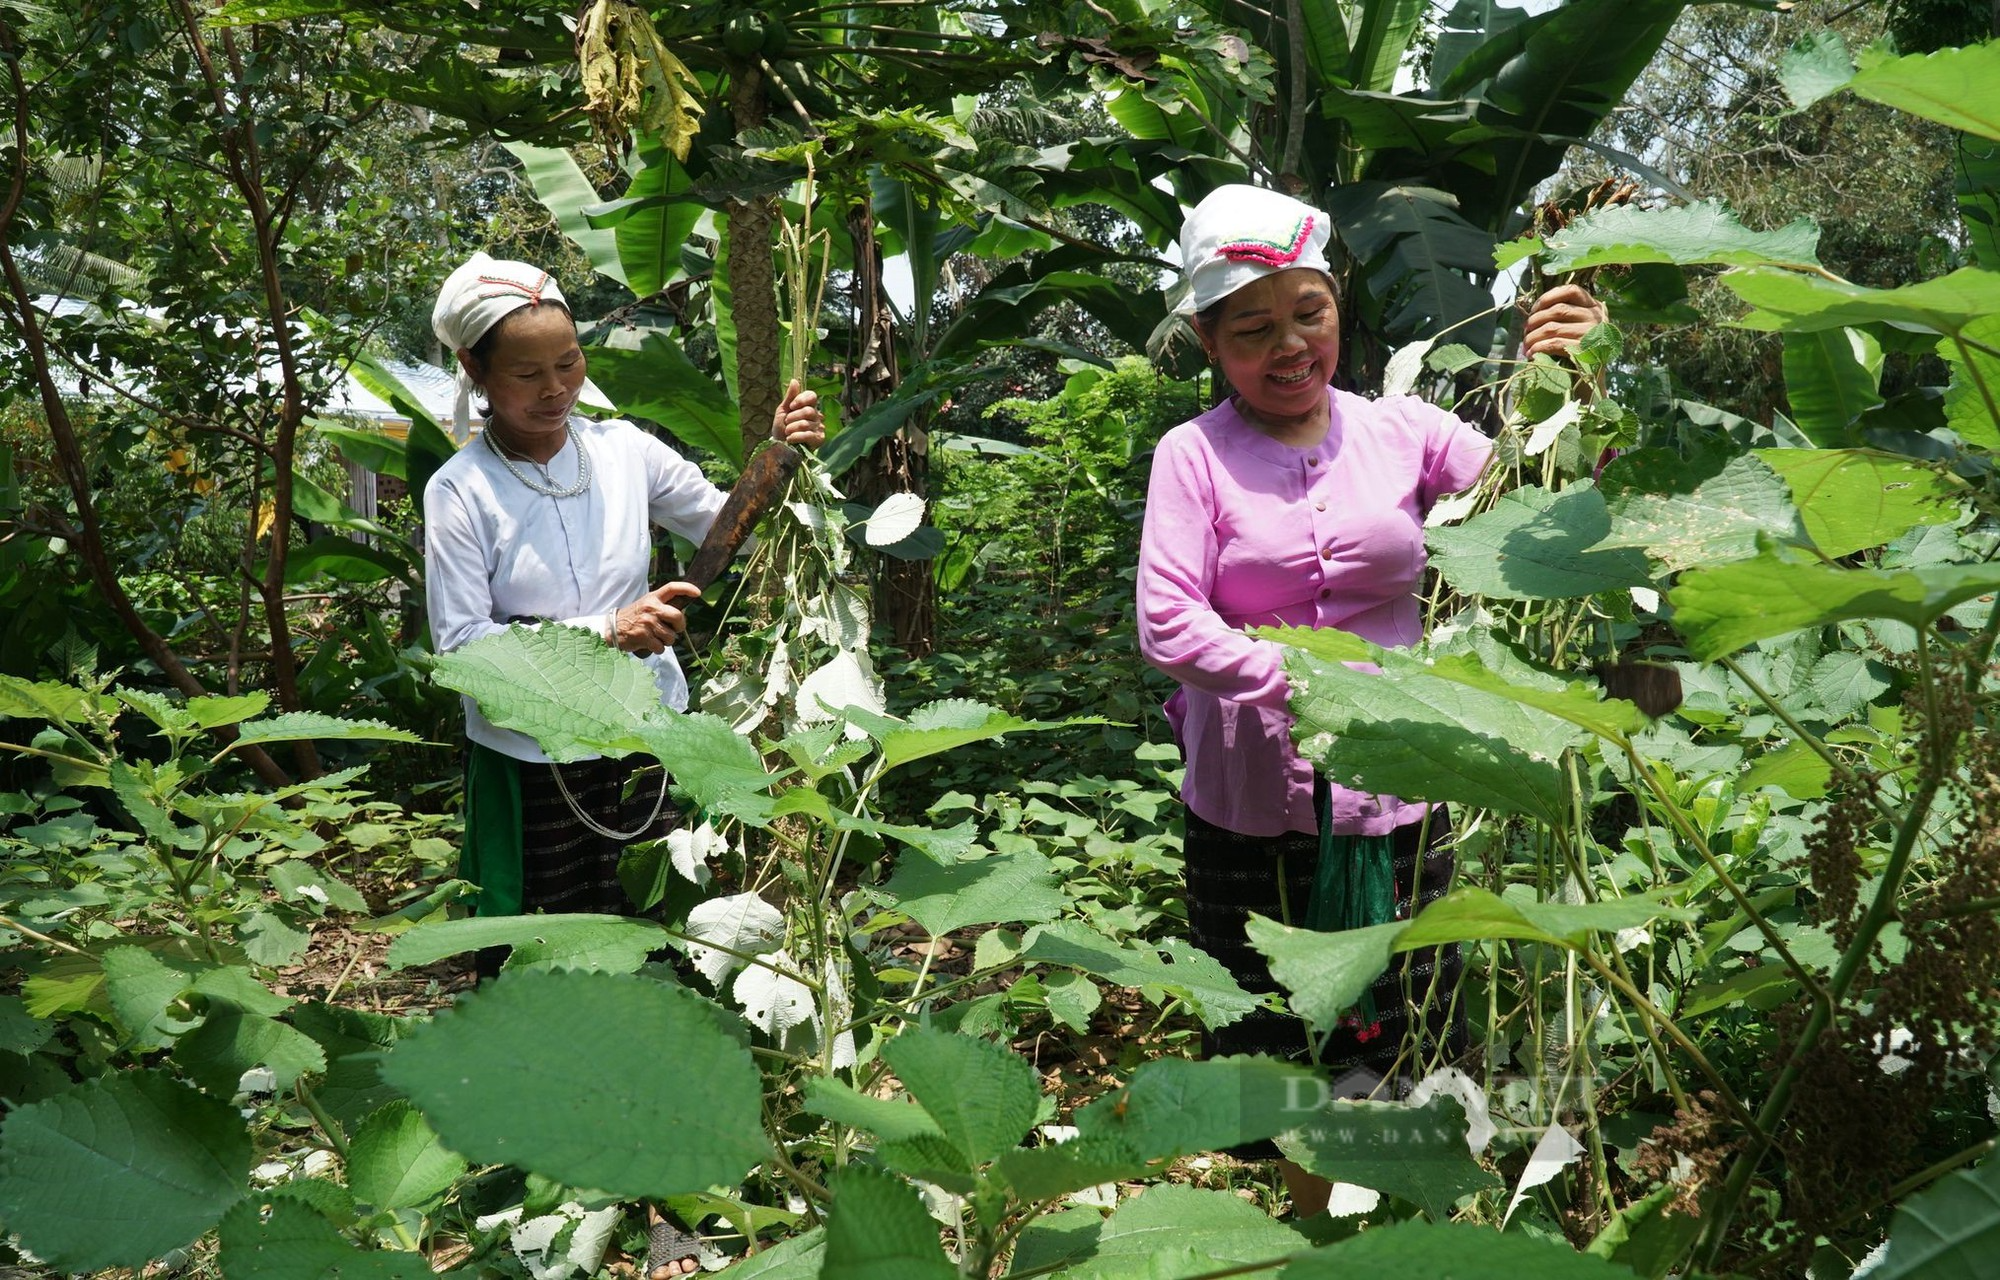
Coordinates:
[1936,767]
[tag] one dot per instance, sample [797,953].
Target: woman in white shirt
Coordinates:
[547,518]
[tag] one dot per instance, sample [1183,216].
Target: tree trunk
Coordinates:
[905,596]
[753,290]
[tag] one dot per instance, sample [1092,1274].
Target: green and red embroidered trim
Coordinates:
[1272,253]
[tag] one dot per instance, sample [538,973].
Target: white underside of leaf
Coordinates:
[1452,509]
[691,850]
[848,680]
[1479,1127]
[898,516]
[1549,428]
[1551,1154]
[742,922]
[774,1002]
[1400,378]
[1346,1200]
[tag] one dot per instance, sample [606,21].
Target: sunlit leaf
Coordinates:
[1854,499]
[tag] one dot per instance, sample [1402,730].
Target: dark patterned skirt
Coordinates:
[1419,1020]
[527,849]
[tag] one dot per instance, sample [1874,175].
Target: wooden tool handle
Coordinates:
[761,483]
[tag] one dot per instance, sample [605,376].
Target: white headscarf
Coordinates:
[473,299]
[1238,234]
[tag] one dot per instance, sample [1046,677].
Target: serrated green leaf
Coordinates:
[143,990]
[1323,973]
[946,726]
[1685,512]
[213,712]
[1072,999]
[1418,1153]
[1174,1107]
[1958,88]
[230,1042]
[1472,914]
[1789,302]
[1795,769]
[798,1258]
[983,1097]
[1705,232]
[886,1118]
[714,766]
[573,694]
[1972,402]
[585,1054]
[1171,965]
[877,1229]
[1815,66]
[20,1031]
[299,726]
[296,1243]
[1056,1169]
[1453,357]
[119,1170]
[1143,1238]
[1537,545]
[1429,739]
[1720,610]
[47,700]
[1949,1232]
[1854,499]
[614,944]
[395,1161]
[1001,888]
[1401,1250]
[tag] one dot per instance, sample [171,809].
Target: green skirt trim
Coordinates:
[491,854]
[1354,886]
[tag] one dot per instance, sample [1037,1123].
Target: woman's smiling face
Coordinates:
[1277,340]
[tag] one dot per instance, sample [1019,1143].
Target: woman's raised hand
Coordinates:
[653,622]
[1560,319]
[798,420]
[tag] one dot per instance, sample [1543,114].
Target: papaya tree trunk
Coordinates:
[753,291]
[905,596]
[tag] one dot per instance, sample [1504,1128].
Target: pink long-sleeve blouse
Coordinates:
[1241,531]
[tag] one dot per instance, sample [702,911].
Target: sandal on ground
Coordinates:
[667,1244]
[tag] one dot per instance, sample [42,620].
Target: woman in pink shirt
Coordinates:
[1292,503]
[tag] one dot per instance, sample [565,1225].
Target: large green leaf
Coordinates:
[1172,1107]
[1461,1251]
[1563,79]
[1166,1231]
[1789,302]
[296,1243]
[1978,170]
[563,190]
[1950,1232]
[656,380]
[1537,545]
[888,1119]
[1325,973]
[877,1229]
[300,726]
[712,765]
[1424,738]
[1724,608]
[1685,512]
[1185,971]
[562,686]
[1972,403]
[1703,233]
[943,726]
[655,225]
[1003,888]
[1831,379]
[1417,249]
[230,1042]
[585,1097]
[982,1096]
[1418,1153]
[119,1170]
[616,944]
[1958,88]
[48,700]
[1854,499]
[395,1161]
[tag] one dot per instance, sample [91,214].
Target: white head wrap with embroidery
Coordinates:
[1238,234]
[473,299]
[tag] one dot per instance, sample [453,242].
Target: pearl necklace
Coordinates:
[545,486]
